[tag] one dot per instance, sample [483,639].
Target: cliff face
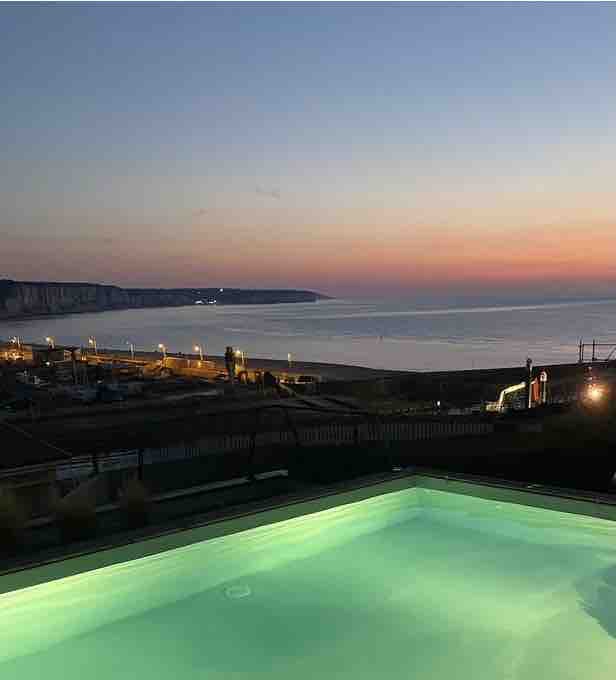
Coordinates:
[23,298]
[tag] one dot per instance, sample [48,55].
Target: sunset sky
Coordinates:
[358,150]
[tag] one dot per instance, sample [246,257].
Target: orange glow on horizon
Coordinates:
[332,259]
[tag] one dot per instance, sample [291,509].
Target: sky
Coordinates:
[362,150]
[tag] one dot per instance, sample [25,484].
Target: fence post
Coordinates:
[291,425]
[253,447]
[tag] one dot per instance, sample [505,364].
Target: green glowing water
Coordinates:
[413,584]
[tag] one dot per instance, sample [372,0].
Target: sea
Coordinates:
[382,335]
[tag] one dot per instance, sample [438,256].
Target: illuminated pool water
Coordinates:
[412,584]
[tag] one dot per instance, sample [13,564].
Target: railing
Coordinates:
[335,434]
[607,350]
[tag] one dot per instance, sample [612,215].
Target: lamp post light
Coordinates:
[289,357]
[163,349]
[51,342]
[199,348]
[92,343]
[16,353]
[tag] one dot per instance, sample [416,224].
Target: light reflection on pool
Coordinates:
[416,583]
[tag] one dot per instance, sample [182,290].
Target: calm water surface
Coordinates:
[374,334]
[400,586]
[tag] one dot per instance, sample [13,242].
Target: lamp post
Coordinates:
[51,342]
[163,349]
[131,346]
[16,354]
[92,343]
[529,387]
[199,348]
[289,359]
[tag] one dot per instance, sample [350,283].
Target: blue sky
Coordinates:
[187,144]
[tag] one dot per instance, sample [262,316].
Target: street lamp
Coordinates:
[132,348]
[163,349]
[289,359]
[199,348]
[92,343]
[51,342]
[15,354]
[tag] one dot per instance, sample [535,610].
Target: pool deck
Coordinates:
[129,545]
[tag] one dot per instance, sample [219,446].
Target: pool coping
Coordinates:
[154,540]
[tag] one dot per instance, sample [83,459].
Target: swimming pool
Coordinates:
[396,580]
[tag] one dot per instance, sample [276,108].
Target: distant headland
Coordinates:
[39,298]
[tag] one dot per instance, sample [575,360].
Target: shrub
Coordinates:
[76,515]
[135,502]
[12,521]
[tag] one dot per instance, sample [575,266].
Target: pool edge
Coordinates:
[138,544]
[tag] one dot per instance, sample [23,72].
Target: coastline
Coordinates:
[327,370]
[30,299]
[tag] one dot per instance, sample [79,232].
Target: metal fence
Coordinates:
[333,434]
